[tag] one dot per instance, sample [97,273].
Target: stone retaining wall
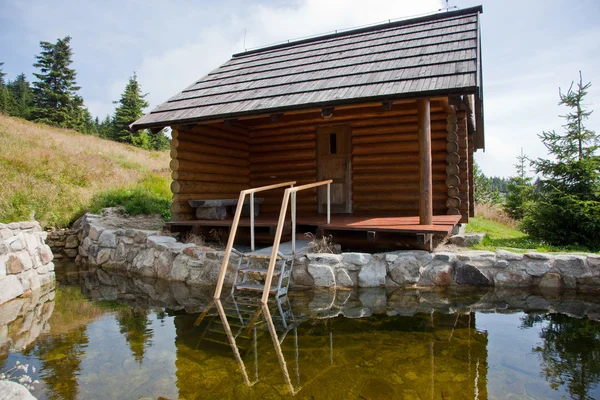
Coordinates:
[64,243]
[23,319]
[147,253]
[25,260]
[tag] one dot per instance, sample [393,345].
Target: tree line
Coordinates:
[53,98]
[562,205]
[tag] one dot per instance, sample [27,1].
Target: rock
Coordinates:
[15,243]
[141,236]
[466,240]
[465,274]
[13,265]
[342,279]
[180,270]
[538,256]
[436,274]
[593,261]
[515,278]
[95,232]
[5,234]
[45,254]
[72,242]
[574,266]
[30,225]
[325,258]
[405,271]
[372,275]
[508,256]
[163,264]
[550,280]
[10,287]
[322,275]
[356,258]
[300,275]
[391,257]
[479,259]
[160,242]
[13,225]
[14,391]
[537,266]
[71,253]
[570,282]
[120,253]
[108,238]
[103,256]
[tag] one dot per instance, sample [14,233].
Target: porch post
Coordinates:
[425,200]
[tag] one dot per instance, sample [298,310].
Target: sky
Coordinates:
[530,48]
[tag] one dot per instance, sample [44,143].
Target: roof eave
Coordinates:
[161,124]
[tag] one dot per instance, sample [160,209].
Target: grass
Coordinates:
[54,175]
[502,233]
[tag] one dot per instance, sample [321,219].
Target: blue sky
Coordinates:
[530,48]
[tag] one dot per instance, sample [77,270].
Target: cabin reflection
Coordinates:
[256,349]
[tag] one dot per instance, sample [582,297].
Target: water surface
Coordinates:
[99,335]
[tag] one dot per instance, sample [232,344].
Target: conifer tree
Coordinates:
[520,189]
[55,93]
[21,97]
[567,208]
[130,108]
[484,193]
[4,95]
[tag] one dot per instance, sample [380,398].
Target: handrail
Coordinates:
[280,222]
[234,226]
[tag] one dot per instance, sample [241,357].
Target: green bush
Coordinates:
[150,196]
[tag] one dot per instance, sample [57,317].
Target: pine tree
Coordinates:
[159,141]
[567,207]
[130,108]
[484,193]
[4,95]
[21,97]
[104,128]
[520,189]
[55,93]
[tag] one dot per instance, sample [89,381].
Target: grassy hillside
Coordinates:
[55,175]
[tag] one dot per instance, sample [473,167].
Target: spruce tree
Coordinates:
[567,207]
[130,108]
[484,193]
[21,97]
[104,128]
[520,189]
[4,95]
[55,93]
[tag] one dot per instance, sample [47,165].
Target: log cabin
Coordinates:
[391,113]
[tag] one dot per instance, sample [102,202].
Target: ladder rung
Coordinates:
[259,271]
[223,343]
[222,332]
[254,287]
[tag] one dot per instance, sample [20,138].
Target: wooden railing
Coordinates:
[280,223]
[235,223]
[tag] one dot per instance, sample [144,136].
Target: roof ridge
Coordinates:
[427,18]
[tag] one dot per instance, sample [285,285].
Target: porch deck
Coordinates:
[348,229]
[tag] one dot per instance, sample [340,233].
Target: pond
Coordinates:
[99,335]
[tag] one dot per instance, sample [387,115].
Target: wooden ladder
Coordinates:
[283,272]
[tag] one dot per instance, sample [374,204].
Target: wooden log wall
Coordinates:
[463,152]
[459,169]
[207,162]
[385,159]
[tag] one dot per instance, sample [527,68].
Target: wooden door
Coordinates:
[334,155]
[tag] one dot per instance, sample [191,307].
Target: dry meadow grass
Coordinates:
[494,212]
[51,174]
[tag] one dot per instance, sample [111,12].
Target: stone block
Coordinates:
[465,274]
[103,256]
[538,256]
[342,279]
[537,266]
[515,278]
[180,270]
[95,232]
[141,236]
[45,254]
[356,258]
[466,240]
[13,265]
[300,275]
[372,275]
[322,274]
[107,238]
[14,391]
[405,271]
[508,256]
[324,258]
[550,280]
[71,253]
[574,266]
[593,261]
[71,242]
[16,242]
[10,287]
[163,264]
[5,234]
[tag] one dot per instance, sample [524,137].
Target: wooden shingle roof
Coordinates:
[434,55]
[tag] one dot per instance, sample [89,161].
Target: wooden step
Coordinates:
[255,287]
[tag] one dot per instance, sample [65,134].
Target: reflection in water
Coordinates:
[147,338]
[569,352]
